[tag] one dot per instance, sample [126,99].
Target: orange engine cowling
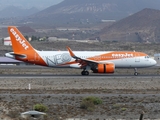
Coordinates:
[105,68]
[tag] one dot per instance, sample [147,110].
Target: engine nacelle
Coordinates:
[104,68]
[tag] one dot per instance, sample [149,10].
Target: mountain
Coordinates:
[26,4]
[12,11]
[142,26]
[90,11]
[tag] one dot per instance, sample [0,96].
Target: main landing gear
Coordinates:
[85,72]
[136,73]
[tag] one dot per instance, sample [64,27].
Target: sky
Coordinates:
[40,4]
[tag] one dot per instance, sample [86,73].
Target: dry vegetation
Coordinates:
[123,97]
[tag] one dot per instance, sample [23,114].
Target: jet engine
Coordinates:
[104,68]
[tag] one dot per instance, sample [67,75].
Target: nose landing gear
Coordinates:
[136,73]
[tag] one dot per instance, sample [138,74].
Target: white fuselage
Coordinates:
[59,58]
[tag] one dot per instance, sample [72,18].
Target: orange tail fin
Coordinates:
[19,43]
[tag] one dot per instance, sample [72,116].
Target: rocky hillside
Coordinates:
[142,26]
[90,11]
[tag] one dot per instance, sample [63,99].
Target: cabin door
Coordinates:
[137,57]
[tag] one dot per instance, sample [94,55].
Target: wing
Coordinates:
[81,61]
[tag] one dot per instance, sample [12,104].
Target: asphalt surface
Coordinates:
[48,73]
[78,76]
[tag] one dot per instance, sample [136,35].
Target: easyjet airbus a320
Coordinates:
[97,61]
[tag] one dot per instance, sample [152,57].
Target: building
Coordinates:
[157,58]
[7,41]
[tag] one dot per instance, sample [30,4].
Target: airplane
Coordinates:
[96,61]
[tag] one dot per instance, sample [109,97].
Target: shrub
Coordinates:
[123,109]
[87,105]
[94,100]
[90,102]
[40,108]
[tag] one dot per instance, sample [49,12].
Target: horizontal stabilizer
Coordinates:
[13,55]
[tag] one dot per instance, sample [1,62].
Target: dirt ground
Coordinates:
[124,97]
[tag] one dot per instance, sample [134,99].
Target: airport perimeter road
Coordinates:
[79,82]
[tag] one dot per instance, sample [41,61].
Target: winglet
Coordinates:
[71,53]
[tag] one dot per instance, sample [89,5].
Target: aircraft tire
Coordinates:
[136,73]
[84,73]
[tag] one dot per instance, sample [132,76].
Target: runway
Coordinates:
[33,71]
[95,76]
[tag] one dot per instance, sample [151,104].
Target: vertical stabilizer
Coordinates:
[19,43]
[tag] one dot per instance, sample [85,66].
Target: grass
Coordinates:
[89,103]
[40,108]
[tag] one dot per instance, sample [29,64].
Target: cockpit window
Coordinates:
[147,57]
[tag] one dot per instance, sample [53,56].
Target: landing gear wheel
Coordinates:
[85,73]
[82,73]
[136,73]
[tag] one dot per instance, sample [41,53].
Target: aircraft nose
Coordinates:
[154,62]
